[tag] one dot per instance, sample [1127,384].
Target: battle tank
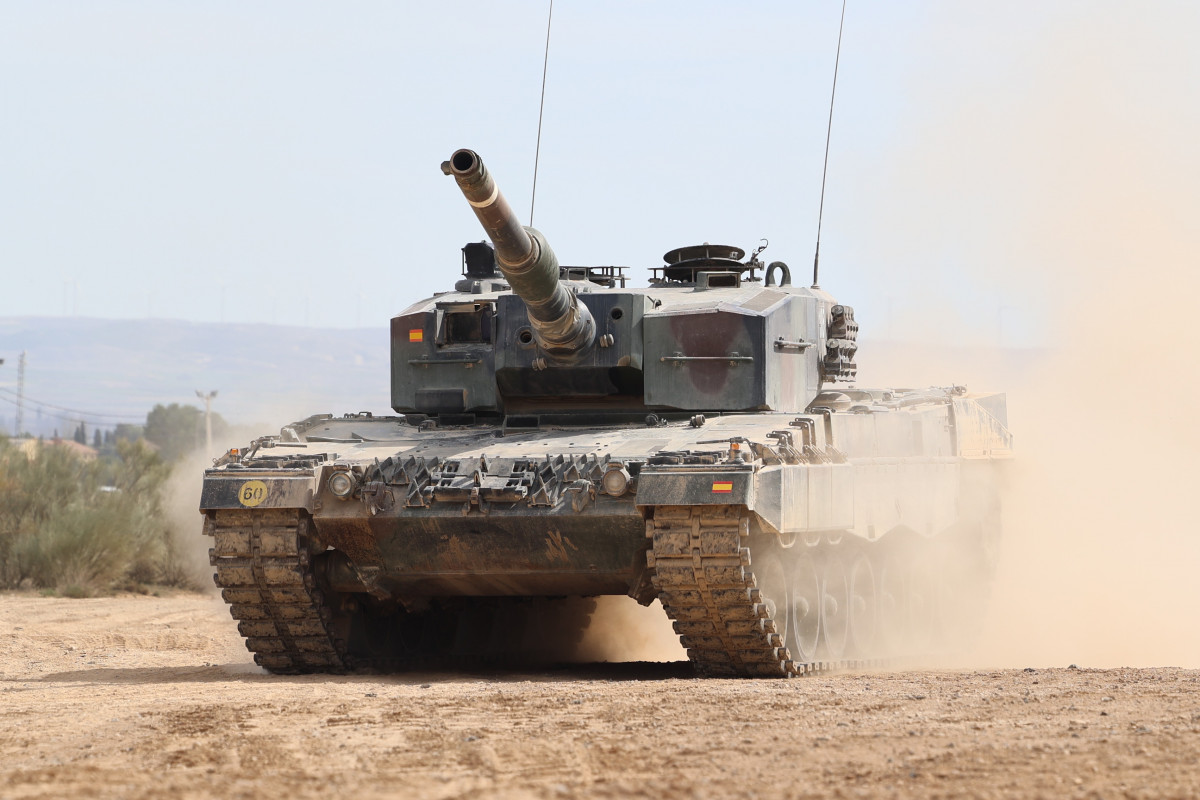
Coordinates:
[562,436]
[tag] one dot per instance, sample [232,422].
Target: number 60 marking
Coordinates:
[252,493]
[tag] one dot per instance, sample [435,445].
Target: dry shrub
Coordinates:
[82,527]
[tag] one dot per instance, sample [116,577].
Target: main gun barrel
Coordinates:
[562,326]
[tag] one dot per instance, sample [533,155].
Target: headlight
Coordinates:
[615,480]
[341,484]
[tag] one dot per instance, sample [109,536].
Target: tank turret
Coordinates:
[543,341]
[562,327]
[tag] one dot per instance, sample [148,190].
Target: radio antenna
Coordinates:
[541,107]
[828,130]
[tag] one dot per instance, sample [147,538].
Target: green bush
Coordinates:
[79,526]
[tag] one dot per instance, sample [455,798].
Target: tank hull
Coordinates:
[693,513]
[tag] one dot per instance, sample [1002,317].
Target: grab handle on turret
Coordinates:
[562,326]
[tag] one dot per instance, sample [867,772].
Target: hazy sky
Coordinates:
[278,162]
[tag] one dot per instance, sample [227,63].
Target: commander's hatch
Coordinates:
[686,265]
[465,323]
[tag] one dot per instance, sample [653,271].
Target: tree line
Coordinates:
[173,430]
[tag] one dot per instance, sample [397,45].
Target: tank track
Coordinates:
[262,559]
[699,557]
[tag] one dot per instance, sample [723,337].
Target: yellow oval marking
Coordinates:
[252,493]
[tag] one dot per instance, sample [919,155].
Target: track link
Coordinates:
[263,570]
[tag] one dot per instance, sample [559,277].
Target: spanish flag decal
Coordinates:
[722,487]
[416,335]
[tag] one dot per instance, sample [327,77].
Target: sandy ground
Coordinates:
[135,697]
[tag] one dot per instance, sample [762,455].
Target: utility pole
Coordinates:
[20,395]
[207,398]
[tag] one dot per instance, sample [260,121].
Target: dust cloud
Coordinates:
[622,630]
[1102,543]
[181,504]
[1090,211]
[182,508]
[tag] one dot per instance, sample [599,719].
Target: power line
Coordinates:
[52,414]
[22,400]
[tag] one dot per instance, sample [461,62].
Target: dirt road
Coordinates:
[139,697]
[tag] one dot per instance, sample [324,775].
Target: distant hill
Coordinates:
[268,374]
